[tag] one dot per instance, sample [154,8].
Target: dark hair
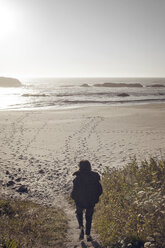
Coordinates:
[84,165]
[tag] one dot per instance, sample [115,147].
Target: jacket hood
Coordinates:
[77,173]
[81,173]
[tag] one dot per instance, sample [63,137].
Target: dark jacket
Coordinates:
[86,188]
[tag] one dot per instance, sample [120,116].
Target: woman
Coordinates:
[86,192]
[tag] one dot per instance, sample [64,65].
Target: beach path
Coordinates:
[72,237]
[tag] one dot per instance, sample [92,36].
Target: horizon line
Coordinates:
[81,77]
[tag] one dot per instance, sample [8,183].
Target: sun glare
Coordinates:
[7,20]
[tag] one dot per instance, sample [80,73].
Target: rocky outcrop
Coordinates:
[118,85]
[9,82]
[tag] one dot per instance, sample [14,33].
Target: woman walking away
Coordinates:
[86,192]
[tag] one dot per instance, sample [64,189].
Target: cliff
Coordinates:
[9,82]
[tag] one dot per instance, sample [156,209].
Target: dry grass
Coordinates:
[132,207]
[27,224]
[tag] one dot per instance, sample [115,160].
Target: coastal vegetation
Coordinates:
[27,224]
[131,211]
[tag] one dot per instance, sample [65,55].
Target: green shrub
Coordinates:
[132,206]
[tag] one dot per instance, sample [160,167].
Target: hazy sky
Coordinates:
[82,38]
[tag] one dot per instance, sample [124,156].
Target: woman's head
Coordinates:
[84,165]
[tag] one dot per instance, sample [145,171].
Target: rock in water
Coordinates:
[9,82]
[123,94]
[136,85]
[85,85]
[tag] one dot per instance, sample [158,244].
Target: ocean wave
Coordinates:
[108,94]
[94,94]
[85,94]
[156,85]
[35,95]
[111,101]
[113,85]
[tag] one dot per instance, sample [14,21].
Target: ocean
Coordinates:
[63,93]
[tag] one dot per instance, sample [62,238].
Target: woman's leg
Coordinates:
[79,215]
[88,216]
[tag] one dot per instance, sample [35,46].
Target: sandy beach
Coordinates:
[41,149]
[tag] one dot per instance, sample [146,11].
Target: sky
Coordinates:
[89,38]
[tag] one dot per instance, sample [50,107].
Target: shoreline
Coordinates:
[69,108]
[131,103]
